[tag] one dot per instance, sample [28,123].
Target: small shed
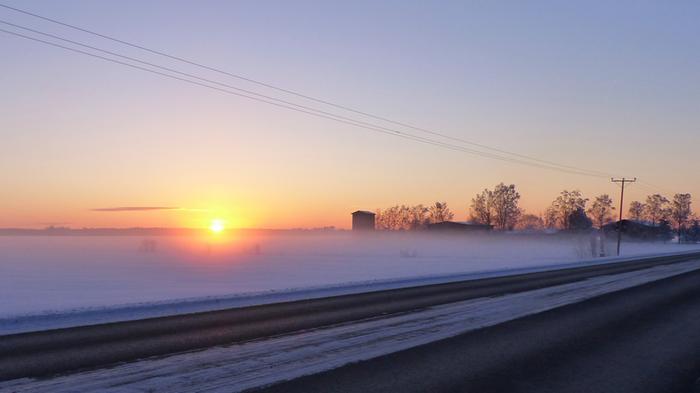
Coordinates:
[363,220]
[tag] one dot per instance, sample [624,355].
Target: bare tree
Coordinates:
[636,211]
[693,233]
[551,217]
[680,211]
[530,222]
[439,212]
[384,219]
[579,221]
[505,206]
[567,204]
[398,218]
[656,209]
[601,210]
[498,207]
[404,218]
[418,217]
[481,208]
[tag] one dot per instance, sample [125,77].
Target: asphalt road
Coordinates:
[63,350]
[640,340]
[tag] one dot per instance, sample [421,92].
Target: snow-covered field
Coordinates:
[57,281]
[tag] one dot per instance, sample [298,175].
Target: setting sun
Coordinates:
[217,225]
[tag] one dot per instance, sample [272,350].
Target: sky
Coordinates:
[607,86]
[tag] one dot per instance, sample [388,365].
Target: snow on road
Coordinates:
[262,362]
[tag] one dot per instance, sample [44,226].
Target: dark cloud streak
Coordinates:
[133,208]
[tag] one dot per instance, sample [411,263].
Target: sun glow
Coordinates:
[217,225]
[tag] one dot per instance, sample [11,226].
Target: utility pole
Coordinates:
[622,201]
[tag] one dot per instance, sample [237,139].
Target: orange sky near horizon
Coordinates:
[272,213]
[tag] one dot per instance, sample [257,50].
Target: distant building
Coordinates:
[458,227]
[640,230]
[362,221]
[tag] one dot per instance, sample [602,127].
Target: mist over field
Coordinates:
[40,274]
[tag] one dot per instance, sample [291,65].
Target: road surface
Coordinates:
[644,339]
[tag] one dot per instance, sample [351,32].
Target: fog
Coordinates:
[40,274]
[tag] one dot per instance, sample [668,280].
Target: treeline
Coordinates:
[658,210]
[403,218]
[569,211]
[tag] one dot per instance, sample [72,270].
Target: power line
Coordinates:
[313,113]
[295,93]
[349,122]
[241,90]
[654,187]
[189,75]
